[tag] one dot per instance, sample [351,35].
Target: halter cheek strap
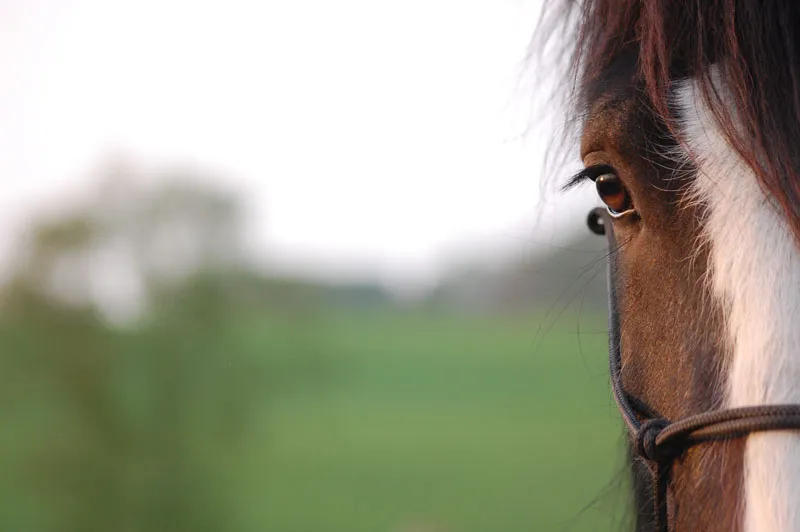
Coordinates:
[657,440]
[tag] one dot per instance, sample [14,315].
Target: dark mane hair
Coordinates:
[754,46]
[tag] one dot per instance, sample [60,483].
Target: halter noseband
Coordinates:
[657,440]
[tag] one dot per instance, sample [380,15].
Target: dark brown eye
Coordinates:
[613,193]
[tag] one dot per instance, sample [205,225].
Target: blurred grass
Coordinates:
[458,423]
[327,422]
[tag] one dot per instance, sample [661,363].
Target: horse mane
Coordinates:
[753,93]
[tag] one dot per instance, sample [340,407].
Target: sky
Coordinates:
[375,139]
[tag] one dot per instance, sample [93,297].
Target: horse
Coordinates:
[689,119]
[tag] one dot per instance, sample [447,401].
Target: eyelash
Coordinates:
[591,173]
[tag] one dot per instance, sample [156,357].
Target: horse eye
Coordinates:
[613,193]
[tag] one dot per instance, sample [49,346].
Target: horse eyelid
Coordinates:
[590,173]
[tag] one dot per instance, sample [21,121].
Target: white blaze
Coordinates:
[755,276]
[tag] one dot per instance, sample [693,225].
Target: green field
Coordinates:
[209,420]
[431,423]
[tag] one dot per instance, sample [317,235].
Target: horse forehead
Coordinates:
[605,124]
[607,101]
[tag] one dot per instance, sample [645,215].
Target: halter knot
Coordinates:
[644,442]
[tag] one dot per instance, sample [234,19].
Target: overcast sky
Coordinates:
[370,137]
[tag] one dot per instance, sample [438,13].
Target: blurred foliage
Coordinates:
[152,381]
[145,425]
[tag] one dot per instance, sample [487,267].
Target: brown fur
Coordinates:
[671,357]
